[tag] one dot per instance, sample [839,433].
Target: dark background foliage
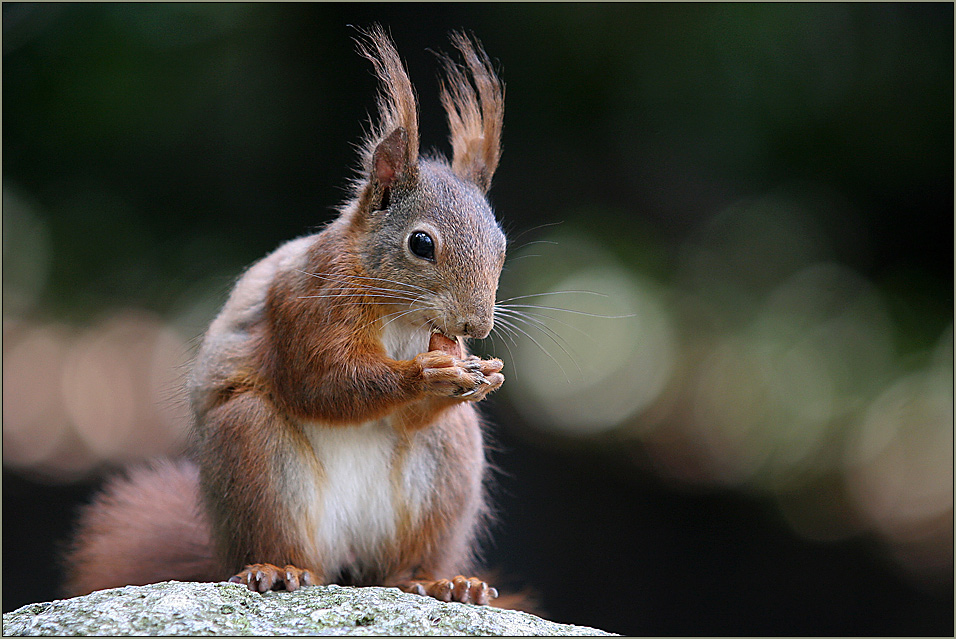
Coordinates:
[152,151]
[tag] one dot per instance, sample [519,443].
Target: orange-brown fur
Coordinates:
[331,445]
[337,371]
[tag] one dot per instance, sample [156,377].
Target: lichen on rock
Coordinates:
[223,609]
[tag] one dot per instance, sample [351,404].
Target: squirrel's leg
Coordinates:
[443,571]
[252,517]
[359,387]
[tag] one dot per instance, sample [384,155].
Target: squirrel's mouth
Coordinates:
[446,344]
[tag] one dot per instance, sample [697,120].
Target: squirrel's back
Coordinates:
[229,345]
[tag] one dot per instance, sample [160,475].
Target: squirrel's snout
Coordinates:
[477,326]
[478,331]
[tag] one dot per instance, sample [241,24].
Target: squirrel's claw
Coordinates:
[470,378]
[460,589]
[265,577]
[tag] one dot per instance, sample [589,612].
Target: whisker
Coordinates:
[505,333]
[535,242]
[517,330]
[533,228]
[367,303]
[566,310]
[403,296]
[506,322]
[348,278]
[361,296]
[366,294]
[521,297]
[371,290]
[397,316]
[553,319]
[512,260]
[511,355]
[550,333]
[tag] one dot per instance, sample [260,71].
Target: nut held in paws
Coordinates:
[439,342]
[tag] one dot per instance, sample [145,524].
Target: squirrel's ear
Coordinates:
[390,151]
[475,118]
[390,160]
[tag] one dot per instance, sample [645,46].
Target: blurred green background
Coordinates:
[743,426]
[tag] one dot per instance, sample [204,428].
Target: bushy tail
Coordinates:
[144,527]
[525,601]
[511,596]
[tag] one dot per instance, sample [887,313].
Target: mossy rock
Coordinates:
[222,609]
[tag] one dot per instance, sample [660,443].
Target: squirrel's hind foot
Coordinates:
[265,577]
[461,589]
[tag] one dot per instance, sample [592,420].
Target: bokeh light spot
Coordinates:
[587,369]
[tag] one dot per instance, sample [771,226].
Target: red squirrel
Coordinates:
[336,434]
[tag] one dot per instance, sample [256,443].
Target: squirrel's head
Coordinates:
[427,229]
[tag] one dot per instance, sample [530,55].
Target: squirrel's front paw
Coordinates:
[264,577]
[470,378]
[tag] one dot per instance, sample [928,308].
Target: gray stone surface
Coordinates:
[179,609]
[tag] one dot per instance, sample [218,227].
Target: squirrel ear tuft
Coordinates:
[475,117]
[390,150]
[390,160]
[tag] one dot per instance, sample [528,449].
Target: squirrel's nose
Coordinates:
[477,331]
[478,326]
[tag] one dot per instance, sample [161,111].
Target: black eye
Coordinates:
[421,244]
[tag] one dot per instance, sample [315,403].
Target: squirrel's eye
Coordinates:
[421,244]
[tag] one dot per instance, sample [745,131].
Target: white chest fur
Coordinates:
[404,342]
[352,511]
[369,479]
